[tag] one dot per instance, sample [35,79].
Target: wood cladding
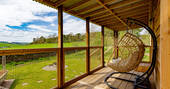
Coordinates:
[164,44]
[156,27]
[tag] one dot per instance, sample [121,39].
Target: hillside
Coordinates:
[44,45]
[8,45]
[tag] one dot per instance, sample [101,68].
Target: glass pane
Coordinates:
[74,31]
[146,57]
[108,43]
[95,58]
[144,35]
[75,63]
[95,35]
[32,71]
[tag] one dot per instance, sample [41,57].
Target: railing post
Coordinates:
[102,44]
[116,44]
[60,60]
[4,63]
[88,45]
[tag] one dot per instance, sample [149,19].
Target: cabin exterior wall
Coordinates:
[165,44]
[159,22]
[155,25]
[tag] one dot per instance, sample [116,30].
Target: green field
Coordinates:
[30,74]
[45,45]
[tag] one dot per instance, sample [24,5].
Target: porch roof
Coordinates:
[109,13]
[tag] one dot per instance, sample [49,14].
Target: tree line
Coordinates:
[54,38]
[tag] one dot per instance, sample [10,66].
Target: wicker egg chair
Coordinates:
[131,52]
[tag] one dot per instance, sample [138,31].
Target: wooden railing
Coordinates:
[5,53]
[65,49]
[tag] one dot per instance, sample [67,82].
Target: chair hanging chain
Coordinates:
[129,30]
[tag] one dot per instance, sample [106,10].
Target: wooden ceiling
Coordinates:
[109,13]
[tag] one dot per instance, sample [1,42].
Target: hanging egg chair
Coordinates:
[131,50]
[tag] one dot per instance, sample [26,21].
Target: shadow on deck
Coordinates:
[96,81]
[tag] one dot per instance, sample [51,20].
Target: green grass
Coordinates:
[45,45]
[8,45]
[31,71]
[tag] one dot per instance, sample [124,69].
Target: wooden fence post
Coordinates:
[88,45]
[60,60]
[4,62]
[102,44]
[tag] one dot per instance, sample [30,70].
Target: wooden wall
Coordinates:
[155,25]
[165,44]
[160,23]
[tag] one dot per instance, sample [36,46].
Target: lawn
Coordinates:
[31,75]
[45,45]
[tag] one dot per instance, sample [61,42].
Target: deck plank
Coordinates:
[90,81]
[124,83]
[96,80]
[130,85]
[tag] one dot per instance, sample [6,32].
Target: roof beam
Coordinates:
[76,5]
[118,10]
[104,22]
[103,15]
[116,5]
[104,18]
[91,7]
[94,12]
[123,14]
[94,6]
[107,1]
[98,16]
[139,18]
[112,13]
[52,4]
[122,3]
[58,2]
[132,6]
[134,11]
[121,27]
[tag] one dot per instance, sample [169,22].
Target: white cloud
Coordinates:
[49,18]
[20,36]
[15,12]
[52,24]
[95,28]
[74,26]
[40,28]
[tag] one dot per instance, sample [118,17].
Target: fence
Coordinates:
[43,72]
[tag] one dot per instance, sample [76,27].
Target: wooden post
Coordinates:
[4,63]
[116,44]
[152,27]
[102,44]
[88,45]
[164,44]
[60,60]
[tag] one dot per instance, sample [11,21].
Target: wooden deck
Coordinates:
[96,81]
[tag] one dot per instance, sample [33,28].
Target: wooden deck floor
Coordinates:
[96,81]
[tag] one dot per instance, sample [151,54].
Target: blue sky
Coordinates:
[23,20]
